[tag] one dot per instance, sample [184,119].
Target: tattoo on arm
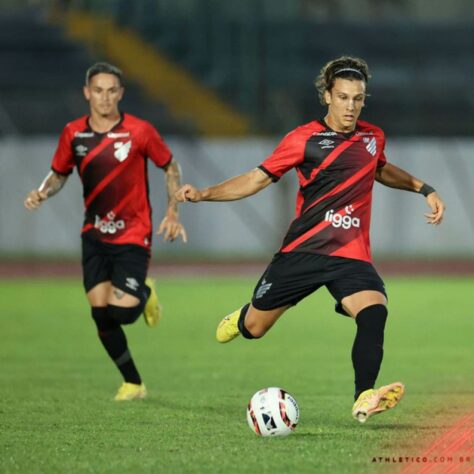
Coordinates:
[173,183]
[53,183]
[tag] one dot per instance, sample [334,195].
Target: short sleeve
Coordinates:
[288,154]
[155,147]
[63,159]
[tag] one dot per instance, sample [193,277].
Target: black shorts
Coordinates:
[292,276]
[126,266]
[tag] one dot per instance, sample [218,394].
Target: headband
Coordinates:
[349,69]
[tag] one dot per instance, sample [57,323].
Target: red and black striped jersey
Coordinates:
[336,173]
[113,170]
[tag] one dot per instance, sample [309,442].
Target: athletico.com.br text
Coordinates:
[421,459]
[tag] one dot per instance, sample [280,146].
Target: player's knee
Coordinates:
[256,328]
[103,321]
[372,317]
[124,315]
[257,333]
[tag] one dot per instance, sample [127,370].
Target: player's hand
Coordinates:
[171,229]
[437,209]
[34,199]
[188,193]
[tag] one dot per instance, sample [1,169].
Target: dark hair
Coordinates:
[345,67]
[104,68]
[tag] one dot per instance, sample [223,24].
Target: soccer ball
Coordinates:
[272,412]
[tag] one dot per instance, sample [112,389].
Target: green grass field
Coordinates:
[56,413]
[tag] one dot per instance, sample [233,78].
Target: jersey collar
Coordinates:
[117,125]
[345,135]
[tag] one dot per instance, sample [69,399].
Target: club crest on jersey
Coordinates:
[122,150]
[345,221]
[371,145]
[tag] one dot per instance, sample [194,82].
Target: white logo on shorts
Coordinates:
[132,283]
[263,288]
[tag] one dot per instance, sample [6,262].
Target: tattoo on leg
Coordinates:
[119,293]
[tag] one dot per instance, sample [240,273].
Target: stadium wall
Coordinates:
[253,227]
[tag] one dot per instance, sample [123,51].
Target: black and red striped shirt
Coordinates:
[336,173]
[113,170]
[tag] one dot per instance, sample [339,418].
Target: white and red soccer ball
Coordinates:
[272,412]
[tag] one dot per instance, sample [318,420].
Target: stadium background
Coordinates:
[223,82]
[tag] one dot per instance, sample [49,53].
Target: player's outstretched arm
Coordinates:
[235,188]
[394,177]
[50,186]
[170,226]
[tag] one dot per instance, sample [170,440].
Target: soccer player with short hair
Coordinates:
[336,158]
[110,150]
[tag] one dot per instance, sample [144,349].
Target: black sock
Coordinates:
[124,315]
[367,351]
[129,314]
[115,343]
[241,323]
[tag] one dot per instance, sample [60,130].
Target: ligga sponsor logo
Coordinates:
[109,226]
[345,221]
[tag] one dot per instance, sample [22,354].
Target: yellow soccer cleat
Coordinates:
[130,391]
[373,401]
[228,329]
[153,310]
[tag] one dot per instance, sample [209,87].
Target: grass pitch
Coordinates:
[57,383]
